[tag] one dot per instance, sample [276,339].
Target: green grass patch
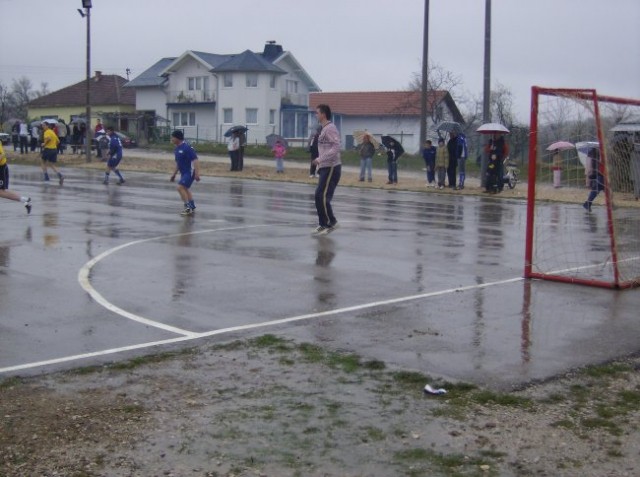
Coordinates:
[600,423]
[607,370]
[272,342]
[501,399]
[10,382]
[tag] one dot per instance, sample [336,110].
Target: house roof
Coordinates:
[377,103]
[105,90]
[267,61]
[151,76]
[248,61]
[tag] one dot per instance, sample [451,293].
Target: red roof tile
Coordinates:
[376,103]
[105,90]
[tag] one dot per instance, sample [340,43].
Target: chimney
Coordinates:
[272,50]
[98,76]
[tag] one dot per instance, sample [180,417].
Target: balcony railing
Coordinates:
[295,99]
[194,96]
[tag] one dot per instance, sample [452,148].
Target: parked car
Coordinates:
[5,138]
[124,139]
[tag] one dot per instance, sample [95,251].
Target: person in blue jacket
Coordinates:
[114,156]
[429,156]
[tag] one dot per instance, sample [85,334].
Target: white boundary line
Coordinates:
[84,276]
[192,336]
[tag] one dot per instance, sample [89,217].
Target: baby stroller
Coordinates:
[510,177]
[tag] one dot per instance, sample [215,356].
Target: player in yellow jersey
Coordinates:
[50,144]
[4,183]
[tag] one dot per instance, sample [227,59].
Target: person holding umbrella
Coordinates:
[366,151]
[233,146]
[329,169]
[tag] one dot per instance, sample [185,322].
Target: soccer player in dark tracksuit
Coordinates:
[329,170]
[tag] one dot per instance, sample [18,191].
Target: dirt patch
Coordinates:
[274,407]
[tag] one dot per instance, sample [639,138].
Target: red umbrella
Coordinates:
[562,145]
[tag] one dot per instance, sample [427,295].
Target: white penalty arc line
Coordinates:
[84,276]
[192,336]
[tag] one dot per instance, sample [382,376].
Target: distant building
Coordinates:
[110,101]
[393,113]
[206,93]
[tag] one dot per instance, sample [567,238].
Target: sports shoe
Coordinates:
[331,228]
[187,211]
[121,181]
[320,230]
[27,205]
[587,206]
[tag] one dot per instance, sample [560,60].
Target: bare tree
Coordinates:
[5,106]
[43,91]
[438,79]
[21,94]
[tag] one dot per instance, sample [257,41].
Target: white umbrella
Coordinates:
[583,149]
[359,137]
[492,128]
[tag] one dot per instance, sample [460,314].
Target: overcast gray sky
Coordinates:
[345,45]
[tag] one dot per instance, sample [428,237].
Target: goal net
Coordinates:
[583,212]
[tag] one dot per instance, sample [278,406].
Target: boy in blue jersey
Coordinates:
[115,156]
[187,164]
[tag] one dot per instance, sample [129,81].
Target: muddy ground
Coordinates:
[273,407]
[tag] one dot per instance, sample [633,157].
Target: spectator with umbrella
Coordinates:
[394,151]
[233,146]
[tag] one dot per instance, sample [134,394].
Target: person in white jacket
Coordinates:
[329,169]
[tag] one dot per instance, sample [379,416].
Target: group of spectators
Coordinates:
[29,137]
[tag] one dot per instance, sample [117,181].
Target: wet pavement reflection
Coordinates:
[429,282]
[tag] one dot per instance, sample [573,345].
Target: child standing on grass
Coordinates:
[279,151]
[442,161]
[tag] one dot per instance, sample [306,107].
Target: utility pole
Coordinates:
[486,97]
[425,71]
[88,139]
[486,106]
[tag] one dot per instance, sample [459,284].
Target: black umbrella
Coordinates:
[391,142]
[272,138]
[233,129]
[449,126]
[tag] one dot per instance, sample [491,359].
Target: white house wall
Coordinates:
[239,98]
[405,130]
[151,99]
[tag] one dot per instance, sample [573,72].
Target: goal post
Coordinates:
[586,146]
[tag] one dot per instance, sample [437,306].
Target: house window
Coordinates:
[227,79]
[184,119]
[292,86]
[252,115]
[198,83]
[227,115]
[272,116]
[273,82]
[252,80]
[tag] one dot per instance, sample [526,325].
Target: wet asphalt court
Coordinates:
[426,282]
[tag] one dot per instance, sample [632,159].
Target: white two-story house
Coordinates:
[205,93]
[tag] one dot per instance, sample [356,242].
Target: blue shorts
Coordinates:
[50,155]
[186,180]
[112,163]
